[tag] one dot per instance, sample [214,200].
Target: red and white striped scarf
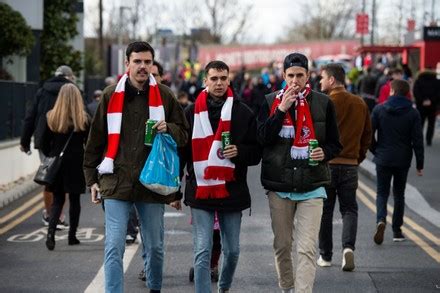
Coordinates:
[114,118]
[303,130]
[211,168]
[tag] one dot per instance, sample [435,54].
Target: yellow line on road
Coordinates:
[21,218]
[406,220]
[20,209]
[412,236]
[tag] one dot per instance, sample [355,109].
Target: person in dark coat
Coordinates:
[367,86]
[427,94]
[216,180]
[67,124]
[34,123]
[399,132]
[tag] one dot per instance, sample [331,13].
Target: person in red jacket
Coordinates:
[384,93]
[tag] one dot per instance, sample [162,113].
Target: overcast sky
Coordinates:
[270,18]
[267,27]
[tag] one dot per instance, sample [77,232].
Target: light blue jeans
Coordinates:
[151,217]
[203,223]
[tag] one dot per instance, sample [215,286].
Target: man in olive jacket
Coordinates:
[112,167]
[287,121]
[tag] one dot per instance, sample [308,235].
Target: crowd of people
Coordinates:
[271,118]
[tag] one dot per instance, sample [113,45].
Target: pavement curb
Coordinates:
[17,192]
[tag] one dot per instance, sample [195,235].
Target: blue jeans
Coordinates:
[203,223]
[151,217]
[343,186]
[384,176]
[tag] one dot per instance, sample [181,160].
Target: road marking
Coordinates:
[406,220]
[173,214]
[21,218]
[20,209]
[412,236]
[97,284]
[83,234]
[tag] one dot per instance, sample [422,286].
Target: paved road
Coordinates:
[27,266]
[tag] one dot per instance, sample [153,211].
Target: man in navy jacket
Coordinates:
[399,132]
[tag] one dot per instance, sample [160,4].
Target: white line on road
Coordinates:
[97,285]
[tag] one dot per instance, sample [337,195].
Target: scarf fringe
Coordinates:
[299,152]
[219,173]
[212,192]
[106,166]
[287,132]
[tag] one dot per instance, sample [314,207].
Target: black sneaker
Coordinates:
[380,230]
[62,225]
[142,276]
[130,239]
[398,237]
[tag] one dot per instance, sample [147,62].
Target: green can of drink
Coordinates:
[313,144]
[149,132]
[226,139]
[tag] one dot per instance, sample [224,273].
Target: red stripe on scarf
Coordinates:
[212,191]
[116,103]
[154,97]
[112,145]
[201,147]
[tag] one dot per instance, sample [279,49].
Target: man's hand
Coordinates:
[161,126]
[230,151]
[426,103]
[26,150]
[289,97]
[419,172]
[176,204]
[94,191]
[317,154]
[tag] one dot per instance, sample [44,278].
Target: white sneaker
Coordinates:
[348,260]
[323,263]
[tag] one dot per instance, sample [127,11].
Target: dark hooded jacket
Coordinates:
[399,132]
[427,87]
[35,119]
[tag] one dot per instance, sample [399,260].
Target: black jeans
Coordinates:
[428,113]
[384,176]
[59,197]
[344,184]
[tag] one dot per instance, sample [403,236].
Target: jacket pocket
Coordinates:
[108,184]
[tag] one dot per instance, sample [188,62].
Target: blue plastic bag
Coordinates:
[161,170]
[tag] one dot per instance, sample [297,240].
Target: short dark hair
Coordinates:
[138,47]
[336,70]
[182,94]
[216,64]
[159,67]
[296,59]
[400,87]
[395,71]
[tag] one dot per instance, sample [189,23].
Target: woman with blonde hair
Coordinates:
[67,124]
